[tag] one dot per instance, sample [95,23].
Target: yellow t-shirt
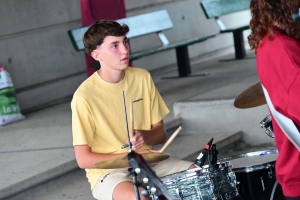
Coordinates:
[98,116]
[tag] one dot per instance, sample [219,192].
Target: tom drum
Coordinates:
[255,174]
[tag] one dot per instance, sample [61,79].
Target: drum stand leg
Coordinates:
[273,190]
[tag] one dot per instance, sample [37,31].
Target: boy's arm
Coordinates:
[157,135]
[87,159]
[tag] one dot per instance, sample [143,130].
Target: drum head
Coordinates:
[252,161]
[185,174]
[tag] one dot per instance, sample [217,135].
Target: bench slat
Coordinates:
[147,23]
[139,25]
[137,55]
[216,8]
[76,36]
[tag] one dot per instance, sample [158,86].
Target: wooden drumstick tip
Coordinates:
[170,139]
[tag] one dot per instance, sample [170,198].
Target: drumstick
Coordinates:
[170,139]
[131,119]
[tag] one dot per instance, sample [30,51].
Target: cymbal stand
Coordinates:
[137,170]
[154,185]
[213,169]
[133,171]
[127,129]
[213,165]
[136,183]
[140,166]
[214,152]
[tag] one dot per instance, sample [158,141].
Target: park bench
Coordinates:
[217,8]
[149,23]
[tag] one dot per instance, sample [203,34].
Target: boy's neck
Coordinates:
[111,76]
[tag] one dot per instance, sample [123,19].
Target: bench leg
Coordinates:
[183,61]
[239,46]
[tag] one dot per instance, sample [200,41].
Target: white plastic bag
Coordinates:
[9,106]
[5,80]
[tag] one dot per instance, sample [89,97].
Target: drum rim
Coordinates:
[249,154]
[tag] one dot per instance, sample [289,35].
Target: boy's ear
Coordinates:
[96,55]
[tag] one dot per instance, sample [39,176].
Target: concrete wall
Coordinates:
[35,48]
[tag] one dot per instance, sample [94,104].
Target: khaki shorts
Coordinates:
[107,183]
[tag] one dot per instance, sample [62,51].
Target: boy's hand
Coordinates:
[137,140]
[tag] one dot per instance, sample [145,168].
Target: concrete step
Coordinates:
[52,163]
[53,181]
[71,185]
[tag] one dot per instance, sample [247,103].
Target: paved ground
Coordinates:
[39,148]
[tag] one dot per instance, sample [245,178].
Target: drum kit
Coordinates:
[248,176]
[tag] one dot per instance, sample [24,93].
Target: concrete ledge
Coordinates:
[172,125]
[50,188]
[220,143]
[195,143]
[216,116]
[38,179]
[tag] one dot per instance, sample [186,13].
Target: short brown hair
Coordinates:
[271,15]
[96,33]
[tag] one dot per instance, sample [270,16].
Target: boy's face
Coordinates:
[113,52]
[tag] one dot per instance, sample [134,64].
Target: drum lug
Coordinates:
[270,173]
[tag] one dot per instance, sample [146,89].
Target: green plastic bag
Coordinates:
[9,107]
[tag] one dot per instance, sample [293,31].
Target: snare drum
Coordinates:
[255,174]
[190,184]
[206,183]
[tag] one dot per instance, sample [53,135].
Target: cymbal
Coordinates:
[251,97]
[121,162]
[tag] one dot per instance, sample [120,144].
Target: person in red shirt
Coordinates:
[275,37]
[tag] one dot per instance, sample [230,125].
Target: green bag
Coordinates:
[9,107]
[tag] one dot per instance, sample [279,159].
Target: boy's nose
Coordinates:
[124,48]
